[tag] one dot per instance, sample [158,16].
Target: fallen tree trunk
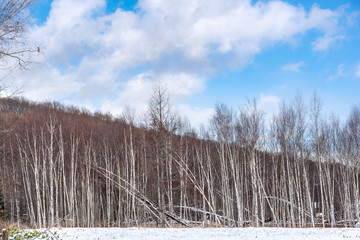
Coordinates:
[155,210]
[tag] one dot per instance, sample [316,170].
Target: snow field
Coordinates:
[208,233]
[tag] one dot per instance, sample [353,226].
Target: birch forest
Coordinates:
[65,166]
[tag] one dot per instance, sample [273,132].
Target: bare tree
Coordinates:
[222,124]
[250,128]
[163,121]
[14,21]
[16,50]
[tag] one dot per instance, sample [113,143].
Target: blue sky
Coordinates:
[105,55]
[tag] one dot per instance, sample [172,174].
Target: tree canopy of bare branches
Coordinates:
[15,50]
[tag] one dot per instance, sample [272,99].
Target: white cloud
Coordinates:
[45,82]
[323,43]
[182,84]
[110,60]
[136,92]
[269,104]
[187,29]
[197,116]
[294,67]
[339,72]
[357,73]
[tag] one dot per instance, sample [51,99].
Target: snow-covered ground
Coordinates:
[208,233]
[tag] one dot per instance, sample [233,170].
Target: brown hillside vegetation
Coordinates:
[64,166]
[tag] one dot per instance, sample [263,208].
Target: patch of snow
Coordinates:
[357,225]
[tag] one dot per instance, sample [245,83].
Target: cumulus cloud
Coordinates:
[136,92]
[111,59]
[197,115]
[269,104]
[44,82]
[293,67]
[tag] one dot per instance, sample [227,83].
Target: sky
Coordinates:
[106,55]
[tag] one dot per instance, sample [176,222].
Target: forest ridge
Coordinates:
[64,166]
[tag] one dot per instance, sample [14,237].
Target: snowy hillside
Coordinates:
[208,233]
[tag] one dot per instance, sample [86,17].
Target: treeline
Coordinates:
[64,166]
